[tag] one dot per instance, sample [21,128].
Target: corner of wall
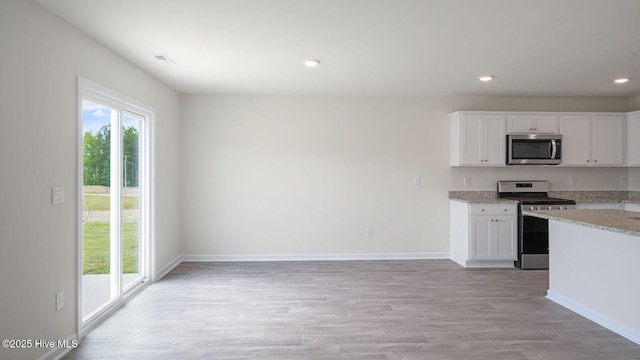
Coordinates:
[634,103]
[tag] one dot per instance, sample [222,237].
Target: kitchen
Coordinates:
[523,223]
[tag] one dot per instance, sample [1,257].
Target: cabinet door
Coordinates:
[495,140]
[520,123]
[505,238]
[531,124]
[576,139]
[472,140]
[608,141]
[493,237]
[480,237]
[633,139]
[545,124]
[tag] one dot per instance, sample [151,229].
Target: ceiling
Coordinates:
[373,47]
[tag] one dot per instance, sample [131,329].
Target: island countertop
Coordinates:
[620,221]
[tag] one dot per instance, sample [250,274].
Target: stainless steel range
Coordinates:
[533,232]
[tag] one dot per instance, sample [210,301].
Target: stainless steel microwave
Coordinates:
[534,149]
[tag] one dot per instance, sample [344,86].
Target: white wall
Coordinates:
[307,175]
[41,58]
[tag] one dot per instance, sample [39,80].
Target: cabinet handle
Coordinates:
[588,160]
[595,160]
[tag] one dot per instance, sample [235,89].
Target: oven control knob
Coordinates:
[538,208]
[550,207]
[532,207]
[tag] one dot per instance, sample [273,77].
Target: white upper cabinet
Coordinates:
[533,123]
[633,138]
[478,139]
[576,139]
[608,140]
[592,139]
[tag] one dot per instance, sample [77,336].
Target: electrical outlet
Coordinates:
[59,300]
[623,182]
[572,181]
[466,182]
[416,181]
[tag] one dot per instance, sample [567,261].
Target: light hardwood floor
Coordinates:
[356,310]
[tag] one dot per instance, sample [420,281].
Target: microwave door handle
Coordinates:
[553,147]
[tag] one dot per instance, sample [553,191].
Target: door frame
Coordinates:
[90,90]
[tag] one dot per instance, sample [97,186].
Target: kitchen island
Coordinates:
[594,266]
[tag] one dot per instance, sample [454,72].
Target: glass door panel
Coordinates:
[97,237]
[131,219]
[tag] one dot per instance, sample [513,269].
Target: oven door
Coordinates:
[533,244]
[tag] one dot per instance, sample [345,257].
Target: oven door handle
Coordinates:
[553,149]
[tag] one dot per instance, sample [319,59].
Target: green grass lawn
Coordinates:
[96,249]
[101,202]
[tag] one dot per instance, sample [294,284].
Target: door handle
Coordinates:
[553,149]
[85,203]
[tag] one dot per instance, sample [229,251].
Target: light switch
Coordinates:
[57,195]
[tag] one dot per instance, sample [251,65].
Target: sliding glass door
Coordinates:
[114,233]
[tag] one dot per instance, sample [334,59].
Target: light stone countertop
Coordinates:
[478,197]
[585,197]
[595,196]
[620,221]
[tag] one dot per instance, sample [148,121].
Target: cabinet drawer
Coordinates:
[493,209]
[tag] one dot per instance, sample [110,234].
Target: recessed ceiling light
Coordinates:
[311,62]
[164,59]
[621,80]
[485,78]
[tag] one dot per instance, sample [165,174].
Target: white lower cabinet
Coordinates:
[483,235]
[492,237]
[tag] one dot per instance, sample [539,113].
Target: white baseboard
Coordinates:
[165,269]
[487,264]
[316,257]
[62,348]
[607,322]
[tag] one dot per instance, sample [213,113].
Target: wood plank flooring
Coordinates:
[356,310]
